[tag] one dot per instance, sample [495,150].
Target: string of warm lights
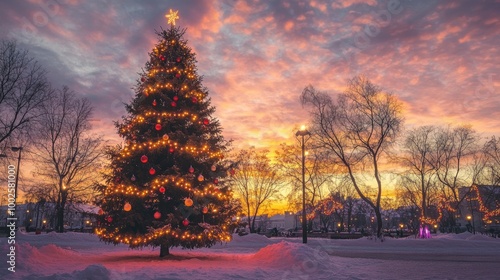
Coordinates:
[209,234]
[326,207]
[487,213]
[129,190]
[443,204]
[169,97]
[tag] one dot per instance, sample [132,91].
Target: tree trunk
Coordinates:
[379,222]
[164,250]
[60,212]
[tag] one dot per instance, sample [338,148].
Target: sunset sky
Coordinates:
[439,57]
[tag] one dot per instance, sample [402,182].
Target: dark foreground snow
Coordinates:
[82,256]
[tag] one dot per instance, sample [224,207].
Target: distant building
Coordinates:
[35,215]
[284,222]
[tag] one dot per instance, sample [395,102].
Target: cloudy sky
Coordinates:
[439,57]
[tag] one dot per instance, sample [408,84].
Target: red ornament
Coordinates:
[152,171]
[143,79]
[173,103]
[206,121]
[177,75]
[162,57]
[158,126]
[191,169]
[176,98]
[216,181]
[154,102]
[109,219]
[194,99]
[178,59]
[157,215]
[144,159]
[100,212]
[171,150]
[185,222]
[162,189]
[232,171]
[204,210]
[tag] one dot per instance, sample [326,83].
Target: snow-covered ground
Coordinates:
[82,256]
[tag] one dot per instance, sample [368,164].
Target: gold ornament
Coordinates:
[127,207]
[188,202]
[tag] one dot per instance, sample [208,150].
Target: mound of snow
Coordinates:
[251,238]
[286,255]
[94,271]
[465,236]
[46,256]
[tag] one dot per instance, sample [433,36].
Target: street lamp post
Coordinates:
[17,149]
[303,133]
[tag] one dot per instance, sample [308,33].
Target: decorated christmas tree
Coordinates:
[169,184]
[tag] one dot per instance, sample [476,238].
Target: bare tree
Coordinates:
[418,178]
[66,153]
[357,130]
[453,154]
[317,174]
[257,182]
[23,89]
[491,150]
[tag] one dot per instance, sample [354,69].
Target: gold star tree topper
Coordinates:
[172,16]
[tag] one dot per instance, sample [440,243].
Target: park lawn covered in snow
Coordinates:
[82,256]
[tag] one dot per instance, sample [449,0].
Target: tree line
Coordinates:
[359,149]
[52,128]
